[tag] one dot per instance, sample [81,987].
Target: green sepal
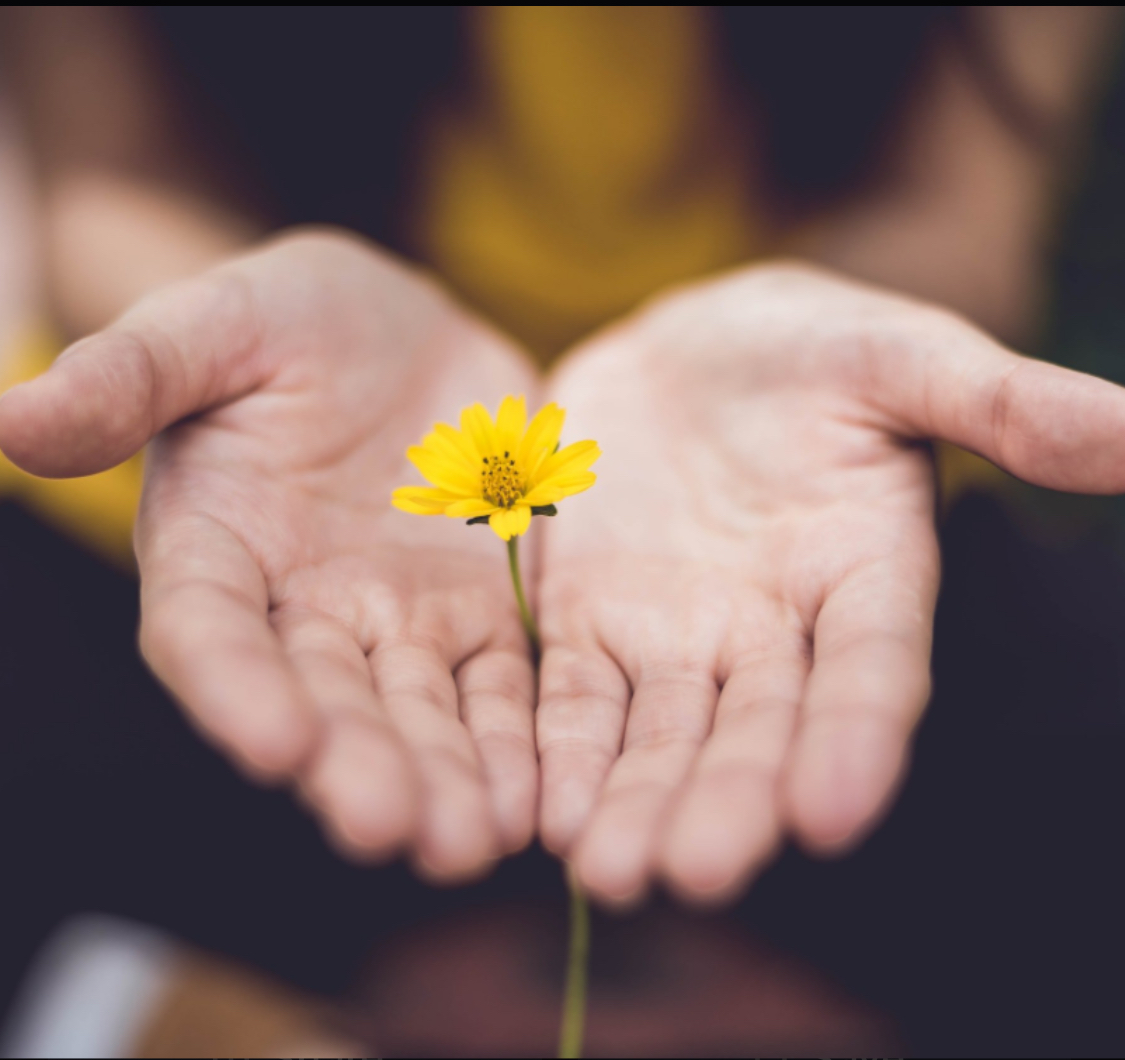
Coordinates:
[538,509]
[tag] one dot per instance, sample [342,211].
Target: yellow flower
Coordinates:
[503,471]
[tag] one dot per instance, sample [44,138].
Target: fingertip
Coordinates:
[708,864]
[90,411]
[362,788]
[514,805]
[707,887]
[555,839]
[445,873]
[511,772]
[458,841]
[612,866]
[705,896]
[609,888]
[565,808]
[1063,429]
[841,780]
[23,439]
[274,749]
[271,739]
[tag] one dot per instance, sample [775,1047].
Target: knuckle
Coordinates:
[505,679]
[521,743]
[566,676]
[451,764]
[1001,407]
[427,685]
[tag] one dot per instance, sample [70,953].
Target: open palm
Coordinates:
[737,620]
[313,631]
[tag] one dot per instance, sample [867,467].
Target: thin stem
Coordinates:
[573,1026]
[517,583]
[574,1003]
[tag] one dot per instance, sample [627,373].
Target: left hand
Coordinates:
[737,619]
[316,635]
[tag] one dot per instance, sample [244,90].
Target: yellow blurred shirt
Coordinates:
[594,162]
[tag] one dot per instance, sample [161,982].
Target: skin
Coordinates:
[738,616]
[317,635]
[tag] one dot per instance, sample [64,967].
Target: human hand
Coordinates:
[309,629]
[737,620]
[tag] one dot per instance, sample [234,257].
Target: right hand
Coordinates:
[737,621]
[307,627]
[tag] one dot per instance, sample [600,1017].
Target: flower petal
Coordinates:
[510,422]
[442,445]
[470,509]
[541,438]
[574,458]
[478,425]
[519,519]
[447,474]
[510,522]
[559,486]
[421,500]
[461,441]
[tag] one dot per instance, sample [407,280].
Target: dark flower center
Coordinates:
[500,481]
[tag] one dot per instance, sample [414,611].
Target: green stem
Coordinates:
[517,583]
[574,1002]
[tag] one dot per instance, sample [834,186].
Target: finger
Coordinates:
[359,780]
[497,692]
[206,635]
[869,685]
[457,836]
[669,718]
[726,824]
[1049,425]
[179,351]
[579,724]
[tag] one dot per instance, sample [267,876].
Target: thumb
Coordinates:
[1047,425]
[177,352]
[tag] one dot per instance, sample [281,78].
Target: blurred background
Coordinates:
[556,166]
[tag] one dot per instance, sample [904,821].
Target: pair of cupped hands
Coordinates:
[736,619]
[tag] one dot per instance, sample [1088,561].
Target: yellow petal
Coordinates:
[554,489]
[421,500]
[461,441]
[477,424]
[446,474]
[541,438]
[547,493]
[510,422]
[445,447]
[519,519]
[510,522]
[470,509]
[568,461]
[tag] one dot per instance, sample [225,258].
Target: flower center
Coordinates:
[500,481]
